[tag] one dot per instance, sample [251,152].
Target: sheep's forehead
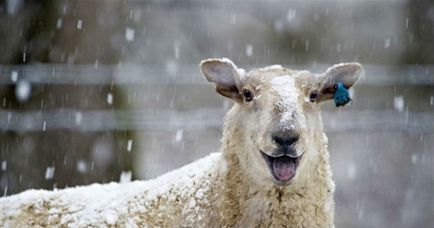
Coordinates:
[276,80]
[280,88]
[284,87]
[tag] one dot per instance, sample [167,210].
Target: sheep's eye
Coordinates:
[248,95]
[313,95]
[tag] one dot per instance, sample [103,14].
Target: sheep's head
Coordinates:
[277,113]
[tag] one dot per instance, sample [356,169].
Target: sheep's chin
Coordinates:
[282,168]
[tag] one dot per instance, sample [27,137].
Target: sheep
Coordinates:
[273,169]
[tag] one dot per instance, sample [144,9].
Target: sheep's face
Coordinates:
[276,114]
[273,118]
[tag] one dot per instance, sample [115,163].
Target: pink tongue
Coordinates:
[283,168]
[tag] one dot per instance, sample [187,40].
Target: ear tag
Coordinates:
[341,96]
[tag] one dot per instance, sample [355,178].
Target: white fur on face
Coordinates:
[286,100]
[279,106]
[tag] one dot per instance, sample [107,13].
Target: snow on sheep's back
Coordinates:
[114,204]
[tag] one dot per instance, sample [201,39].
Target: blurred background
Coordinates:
[101,91]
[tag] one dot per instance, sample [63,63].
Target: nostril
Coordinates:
[285,139]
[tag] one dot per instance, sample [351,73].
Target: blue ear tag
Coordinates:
[341,96]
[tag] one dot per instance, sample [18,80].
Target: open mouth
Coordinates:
[282,167]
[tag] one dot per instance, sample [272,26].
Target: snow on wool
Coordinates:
[138,202]
[235,188]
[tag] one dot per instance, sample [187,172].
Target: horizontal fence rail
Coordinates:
[197,119]
[124,74]
[200,119]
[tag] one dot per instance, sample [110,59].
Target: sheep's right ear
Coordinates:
[347,73]
[225,76]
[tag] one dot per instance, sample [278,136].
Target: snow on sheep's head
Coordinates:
[277,113]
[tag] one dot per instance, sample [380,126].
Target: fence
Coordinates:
[171,119]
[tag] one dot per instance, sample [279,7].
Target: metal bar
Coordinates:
[199,119]
[133,74]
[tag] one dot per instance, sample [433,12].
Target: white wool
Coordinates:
[285,86]
[287,98]
[103,203]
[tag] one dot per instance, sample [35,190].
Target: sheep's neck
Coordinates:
[252,204]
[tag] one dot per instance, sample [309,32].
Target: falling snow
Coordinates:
[81,166]
[109,98]
[14,76]
[249,50]
[125,177]
[351,171]
[59,23]
[129,34]
[49,172]
[398,103]
[179,135]
[129,145]
[291,14]
[176,49]
[22,90]
[78,118]
[3,165]
[414,158]
[79,24]
[386,43]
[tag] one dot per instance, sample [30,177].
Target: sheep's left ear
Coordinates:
[346,73]
[225,75]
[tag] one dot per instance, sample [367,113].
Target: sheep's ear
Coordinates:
[225,76]
[347,73]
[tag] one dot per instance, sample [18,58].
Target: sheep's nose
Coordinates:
[285,139]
